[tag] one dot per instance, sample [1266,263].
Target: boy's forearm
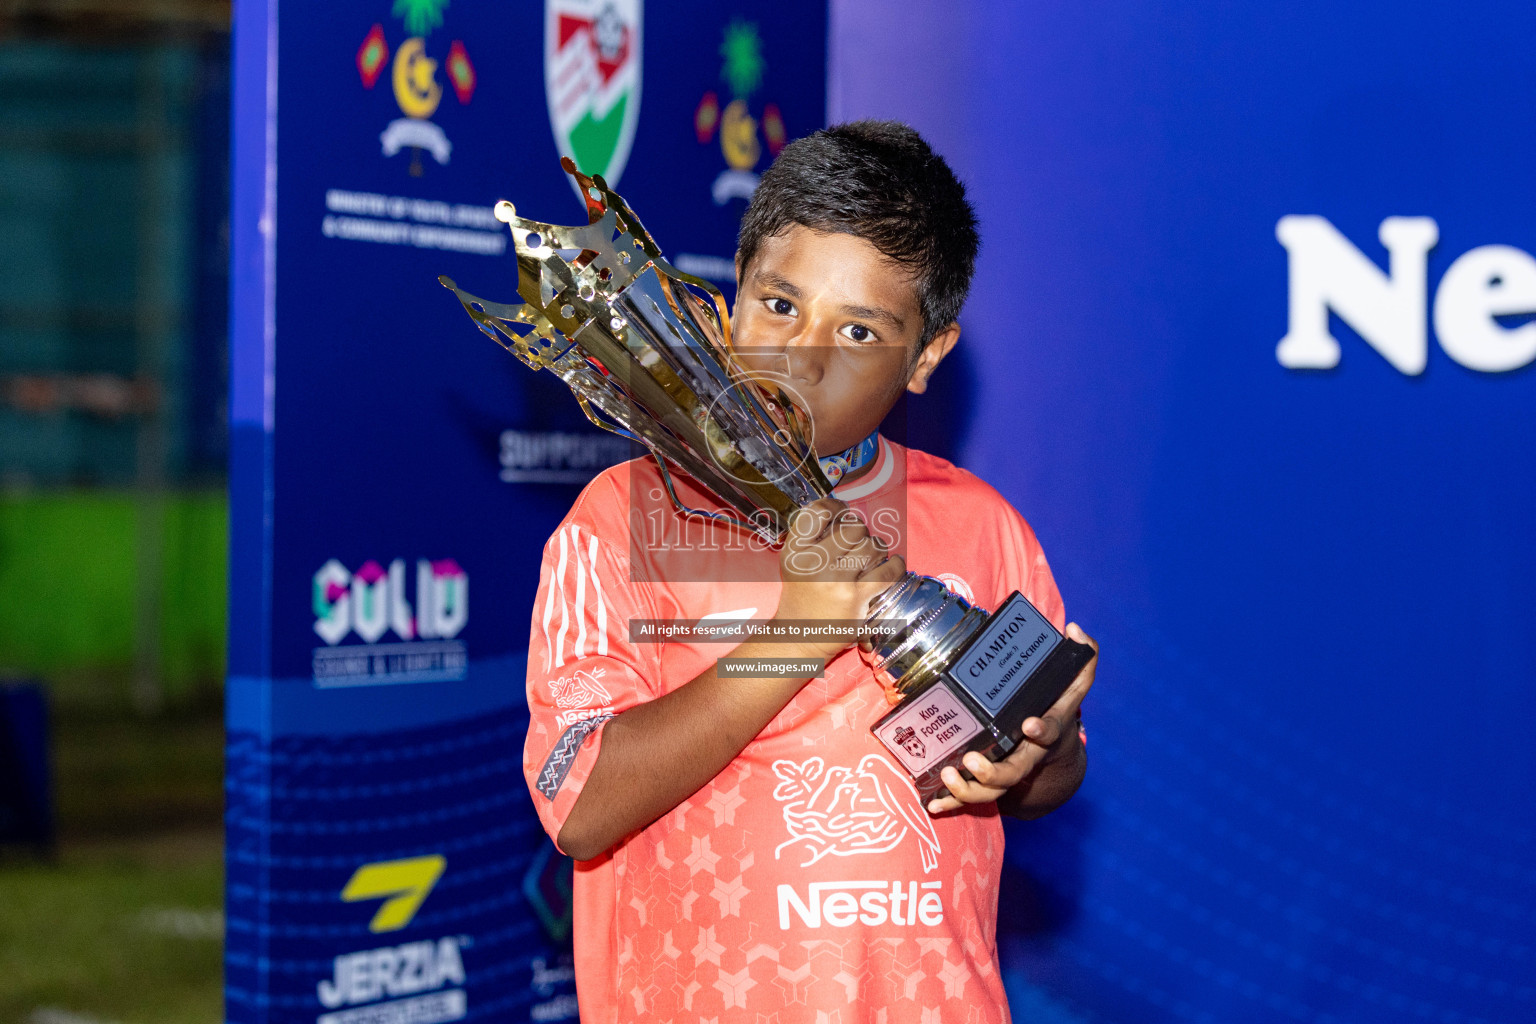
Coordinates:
[657,754]
[1051,785]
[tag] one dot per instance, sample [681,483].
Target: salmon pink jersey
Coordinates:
[806,883]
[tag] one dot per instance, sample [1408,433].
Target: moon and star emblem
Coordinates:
[416,87]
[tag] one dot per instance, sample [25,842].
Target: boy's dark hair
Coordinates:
[879,181]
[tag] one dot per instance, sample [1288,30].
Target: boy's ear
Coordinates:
[930,357]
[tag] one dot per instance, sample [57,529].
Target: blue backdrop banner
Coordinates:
[394,475]
[1250,347]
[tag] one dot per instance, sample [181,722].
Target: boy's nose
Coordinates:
[797,358]
[805,358]
[765,361]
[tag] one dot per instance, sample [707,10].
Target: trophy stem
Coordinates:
[939,623]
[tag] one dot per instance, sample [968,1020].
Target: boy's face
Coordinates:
[838,324]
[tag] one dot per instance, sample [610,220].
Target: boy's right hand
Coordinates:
[831,566]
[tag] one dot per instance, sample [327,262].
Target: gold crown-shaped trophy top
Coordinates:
[647,351]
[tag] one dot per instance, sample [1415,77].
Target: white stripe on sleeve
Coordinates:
[549,610]
[597,592]
[581,595]
[564,624]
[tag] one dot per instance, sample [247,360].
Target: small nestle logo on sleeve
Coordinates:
[770,668]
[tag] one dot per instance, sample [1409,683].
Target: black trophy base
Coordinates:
[1014,669]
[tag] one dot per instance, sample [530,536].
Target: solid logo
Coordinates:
[842,812]
[413,77]
[373,601]
[1482,307]
[741,135]
[592,81]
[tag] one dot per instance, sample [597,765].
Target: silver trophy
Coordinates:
[647,351]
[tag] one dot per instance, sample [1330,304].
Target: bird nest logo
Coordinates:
[581,690]
[842,812]
[742,136]
[413,77]
[592,81]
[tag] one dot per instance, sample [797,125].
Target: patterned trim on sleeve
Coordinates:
[558,765]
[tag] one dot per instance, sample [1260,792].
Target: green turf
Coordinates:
[88,935]
[120,925]
[68,587]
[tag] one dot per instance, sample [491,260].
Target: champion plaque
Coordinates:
[1012,668]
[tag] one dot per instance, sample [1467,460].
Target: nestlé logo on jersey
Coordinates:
[870,903]
[836,811]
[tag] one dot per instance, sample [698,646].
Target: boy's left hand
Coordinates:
[1057,728]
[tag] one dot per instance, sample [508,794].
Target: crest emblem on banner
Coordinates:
[738,131]
[592,81]
[413,77]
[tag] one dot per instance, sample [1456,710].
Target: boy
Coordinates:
[745,849]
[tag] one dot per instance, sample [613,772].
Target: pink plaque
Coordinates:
[927,729]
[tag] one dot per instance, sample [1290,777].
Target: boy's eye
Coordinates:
[782,307]
[858,332]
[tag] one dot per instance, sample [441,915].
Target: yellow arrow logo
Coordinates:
[405,883]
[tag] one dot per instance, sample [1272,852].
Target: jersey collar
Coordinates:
[835,467]
[876,478]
